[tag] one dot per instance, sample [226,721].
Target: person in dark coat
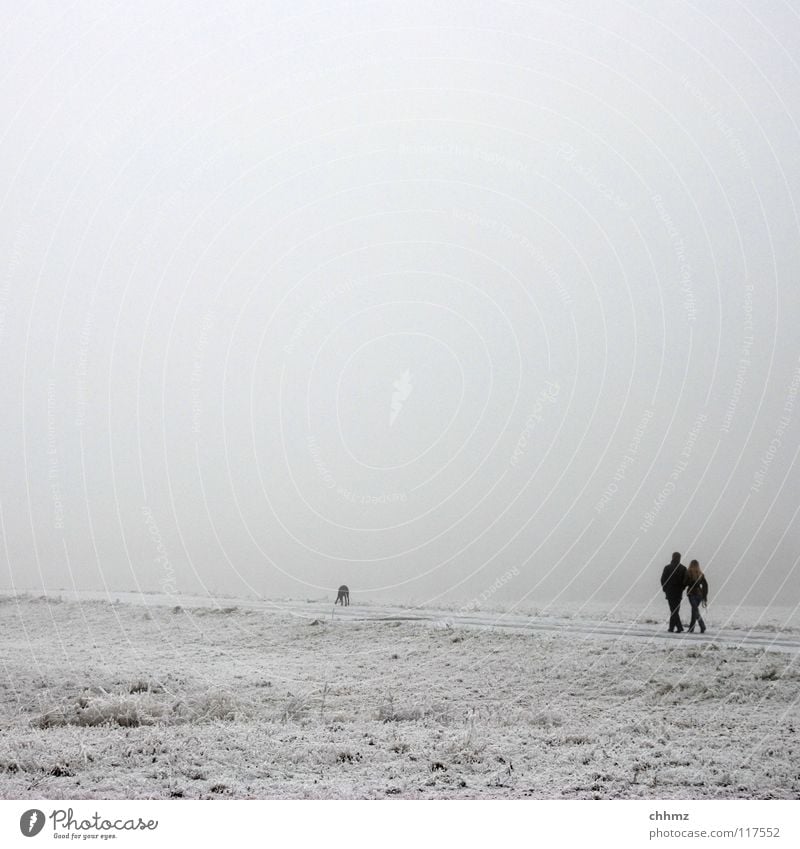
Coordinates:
[697,593]
[673,581]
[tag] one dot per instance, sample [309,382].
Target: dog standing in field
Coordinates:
[343,597]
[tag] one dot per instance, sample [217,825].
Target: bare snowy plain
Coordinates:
[140,697]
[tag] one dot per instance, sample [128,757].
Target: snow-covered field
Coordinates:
[144,699]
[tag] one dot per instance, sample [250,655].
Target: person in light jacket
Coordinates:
[697,593]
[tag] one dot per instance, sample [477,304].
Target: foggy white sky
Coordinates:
[487,300]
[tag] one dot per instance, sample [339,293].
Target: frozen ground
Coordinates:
[143,699]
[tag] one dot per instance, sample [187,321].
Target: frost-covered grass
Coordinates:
[105,700]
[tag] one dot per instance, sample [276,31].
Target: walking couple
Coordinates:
[675,578]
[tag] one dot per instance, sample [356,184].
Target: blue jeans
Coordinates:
[695,600]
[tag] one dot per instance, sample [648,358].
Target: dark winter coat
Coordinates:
[699,587]
[673,580]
